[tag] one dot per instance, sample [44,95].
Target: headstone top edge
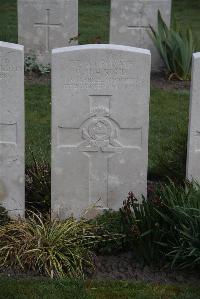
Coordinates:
[103,47]
[196,55]
[11,46]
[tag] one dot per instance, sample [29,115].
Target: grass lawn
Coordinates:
[68,289]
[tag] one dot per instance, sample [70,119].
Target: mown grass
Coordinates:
[38,124]
[68,289]
[186,14]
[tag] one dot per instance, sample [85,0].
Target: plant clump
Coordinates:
[175,48]
[53,248]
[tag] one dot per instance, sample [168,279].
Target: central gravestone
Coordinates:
[46,24]
[100,107]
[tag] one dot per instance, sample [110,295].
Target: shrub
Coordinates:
[52,248]
[183,218]
[166,226]
[142,226]
[175,48]
[31,65]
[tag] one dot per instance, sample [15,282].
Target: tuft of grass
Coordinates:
[52,248]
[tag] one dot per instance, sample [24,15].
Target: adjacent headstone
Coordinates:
[46,24]
[100,119]
[193,158]
[130,20]
[12,129]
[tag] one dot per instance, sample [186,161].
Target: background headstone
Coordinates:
[130,20]
[100,106]
[193,158]
[46,24]
[12,128]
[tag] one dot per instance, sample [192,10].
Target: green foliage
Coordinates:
[142,226]
[183,218]
[55,248]
[175,48]
[167,225]
[31,65]
[38,185]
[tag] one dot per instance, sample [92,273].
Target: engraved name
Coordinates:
[107,73]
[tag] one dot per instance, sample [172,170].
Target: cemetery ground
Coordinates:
[167,149]
[67,289]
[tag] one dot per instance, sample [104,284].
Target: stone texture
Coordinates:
[46,24]
[12,128]
[130,20]
[100,113]
[193,158]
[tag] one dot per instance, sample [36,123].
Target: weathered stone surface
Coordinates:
[46,24]
[193,158]
[12,128]
[100,106]
[130,20]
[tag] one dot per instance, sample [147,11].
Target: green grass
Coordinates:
[38,114]
[186,14]
[168,112]
[94,21]
[68,289]
[8,20]
[41,289]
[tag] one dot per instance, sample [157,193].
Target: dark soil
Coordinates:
[160,81]
[126,267]
[35,78]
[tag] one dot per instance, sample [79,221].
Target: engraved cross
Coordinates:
[47,26]
[99,138]
[139,27]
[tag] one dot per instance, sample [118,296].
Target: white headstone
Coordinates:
[100,106]
[193,159]
[12,128]
[46,24]
[130,20]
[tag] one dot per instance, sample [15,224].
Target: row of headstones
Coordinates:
[100,112]
[47,24]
